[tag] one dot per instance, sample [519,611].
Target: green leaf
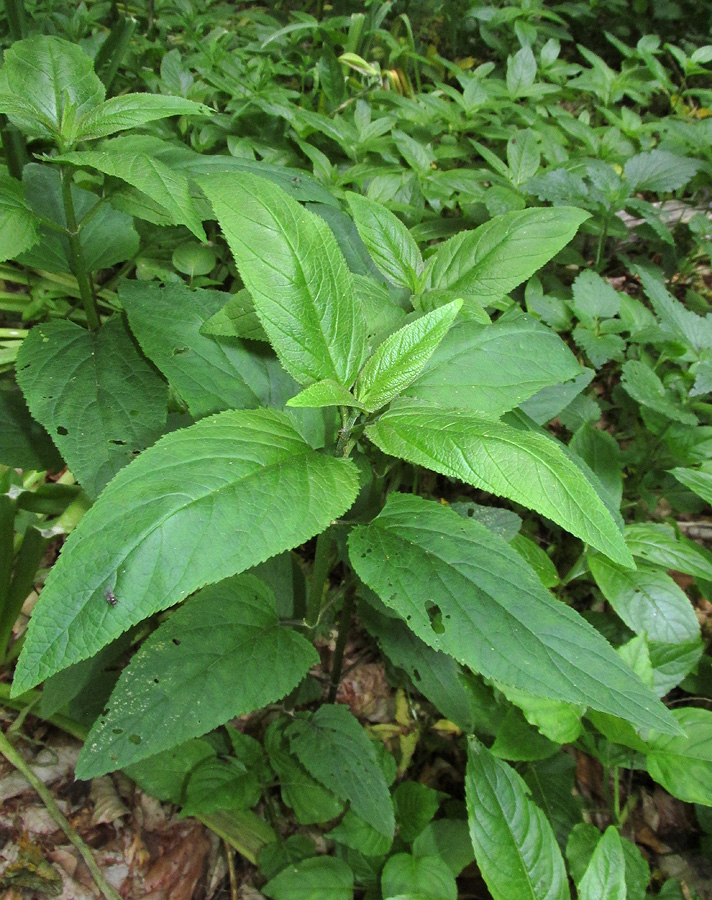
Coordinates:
[194,259]
[106,237]
[56,79]
[449,840]
[325,393]
[401,357]
[643,385]
[552,785]
[415,805]
[515,847]
[18,225]
[220,784]
[466,592]
[683,323]
[164,776]
[311,801]
[660,171]
[583,841]
[319,878]
[683,764]
[132,110]
[605,875]
[210,373]
[492,260]
[523,155]
[237,318]
[334,749]
[100,400]
[647,600]
[537,559]
[24,443]
[657,543]
[594,297]
[427,876]
[528,468]
[558,721]
[292,266]
[164,186]
[601,453]
[697,480]
[195,508]
[437,676]
[203,666]
[388,241]
[352,831]
[492,368]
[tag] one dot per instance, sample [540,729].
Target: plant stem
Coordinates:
[77,254]
[30,698]
[320,573]
[14,758]
[347,611]
[598,265]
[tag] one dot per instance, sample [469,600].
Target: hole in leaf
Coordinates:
[176,642]
[155,681]
[179,350]
[436,617]
[117,730]
[62,430]
[135,739]
[416,675]
[118,443]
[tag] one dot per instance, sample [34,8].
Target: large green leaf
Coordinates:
[401,357]
[605,875]
[643,385]
[683,764]
[660,170]
[107,236]
[334,749]
[203,666]
[169,189]
[291,264]
[210,373]
[18,225]
[132,110]
[466,592]
[647,600]
[56,80]
[100,400]
[388,240]
[528,468]
[202,504]
[492,260]
[515,847]
[490,369]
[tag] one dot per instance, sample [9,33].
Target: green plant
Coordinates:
[368,385]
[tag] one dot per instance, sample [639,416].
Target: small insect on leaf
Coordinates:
[110,597]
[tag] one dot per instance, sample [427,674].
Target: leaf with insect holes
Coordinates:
[464,591]
[202,504]
[99,398]
[201,667]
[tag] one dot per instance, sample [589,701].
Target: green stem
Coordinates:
[320,573]
[598,265]
[14,758]
[77,254]
[15,12]
[616,795]
[31,698]
[28,560]
[347,611]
